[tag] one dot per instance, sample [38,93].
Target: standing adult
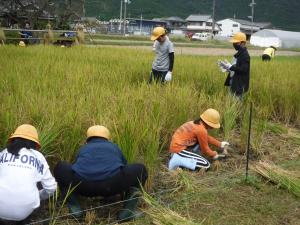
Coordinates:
[239,70]
[190,143]
[101,169]
[269,53]
[22,166]
[163,63]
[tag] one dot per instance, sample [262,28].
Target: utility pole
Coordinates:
[141,24]
[121,12]
[213,19]
[252,5]
[126,2]
[125,8]
[83,8]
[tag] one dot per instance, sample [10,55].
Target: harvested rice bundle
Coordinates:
[48,37]
[79,40]
[277,175]
[2,37]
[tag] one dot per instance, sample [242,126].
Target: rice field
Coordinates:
[63,91]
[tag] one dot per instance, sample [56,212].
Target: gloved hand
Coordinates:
[219,157]
[219,63]
[225,150]
[226,65]
[224,143]
[168,76]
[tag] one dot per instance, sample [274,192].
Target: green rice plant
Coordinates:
[128,139]
[70,143]
[258,136]
[279,176]
[276,128]
[231,113]
[151,149]
[48,139]
[162,215]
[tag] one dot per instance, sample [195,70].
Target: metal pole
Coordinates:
[252,4]
[248,144]
[125,3]
[121,12]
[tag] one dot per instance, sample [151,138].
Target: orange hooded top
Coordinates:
[190,134]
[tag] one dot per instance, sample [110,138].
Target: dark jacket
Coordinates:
[98,160]
[239,83]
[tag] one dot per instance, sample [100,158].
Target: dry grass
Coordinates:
[162,215]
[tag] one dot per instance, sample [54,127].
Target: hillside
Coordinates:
[282,14]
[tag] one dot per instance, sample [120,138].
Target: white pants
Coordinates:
[188,160]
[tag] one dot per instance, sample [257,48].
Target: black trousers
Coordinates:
[158,76]
[22,222]
[266,57]
[132,175]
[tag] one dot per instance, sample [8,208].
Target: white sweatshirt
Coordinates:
[19,194]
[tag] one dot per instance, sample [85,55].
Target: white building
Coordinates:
[228,27]
[231,26]
[201,23]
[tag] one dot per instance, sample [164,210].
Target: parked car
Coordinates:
[201,36]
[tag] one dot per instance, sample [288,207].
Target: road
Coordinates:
[207,51]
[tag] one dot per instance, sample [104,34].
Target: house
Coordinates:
[144,26]
[201,23]
[248,28]
[138,26]
[175,22]
[228,27]
[175,25]
[231,26]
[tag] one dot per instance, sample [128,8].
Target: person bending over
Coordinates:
[22,166]
[189,147]
[101,169]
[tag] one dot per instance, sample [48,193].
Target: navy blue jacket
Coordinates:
[99,160]
[239,83]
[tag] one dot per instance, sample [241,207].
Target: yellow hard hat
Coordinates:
[157,32]
[98,131]
[211,117]
[28,132]
[22,44]
[238,37]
